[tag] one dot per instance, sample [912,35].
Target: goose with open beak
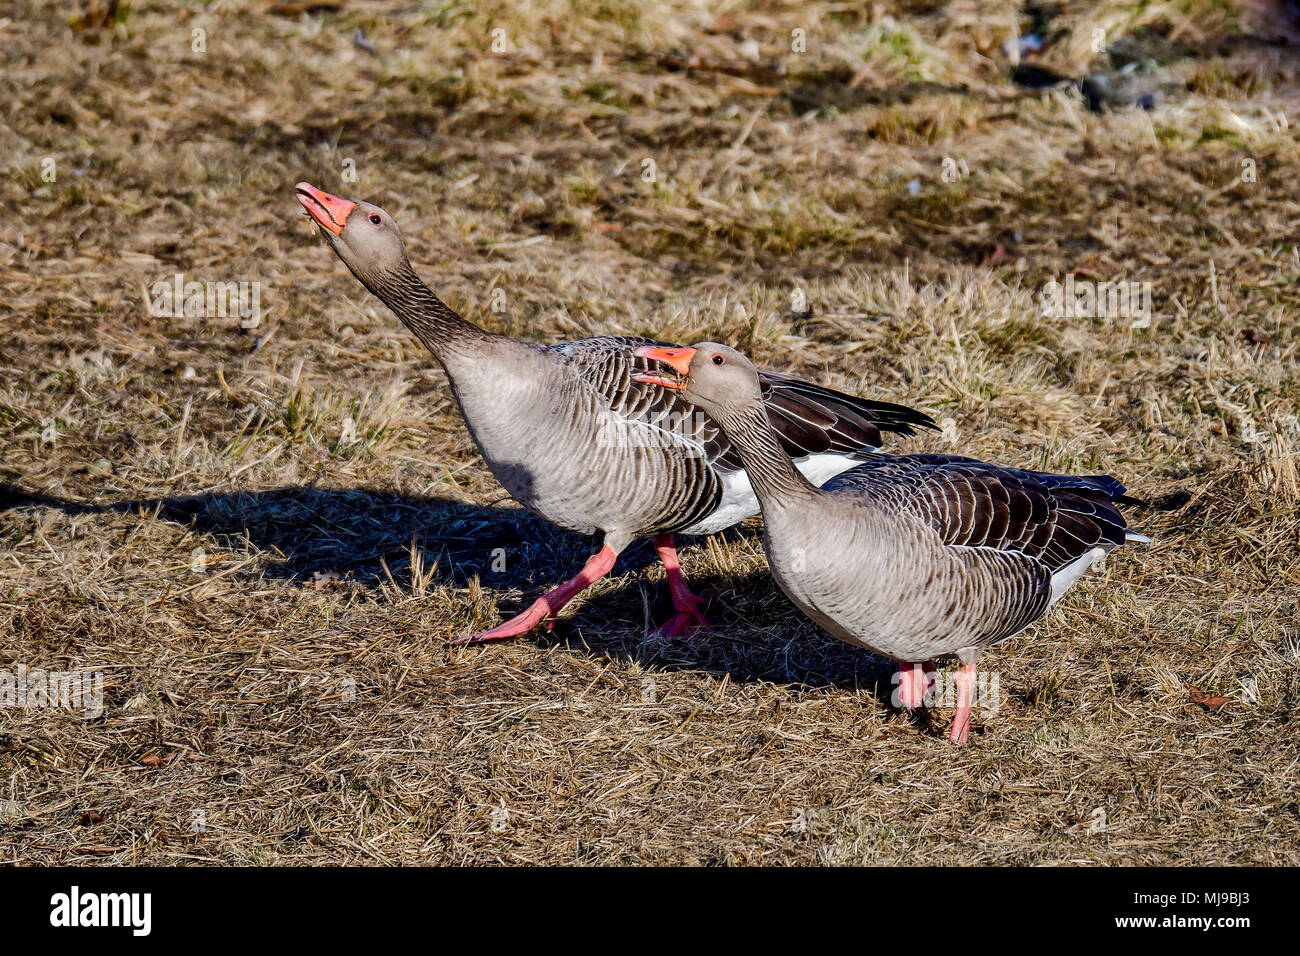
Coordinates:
[577,433]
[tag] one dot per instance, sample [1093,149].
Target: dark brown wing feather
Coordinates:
[1052,518]
[825,420]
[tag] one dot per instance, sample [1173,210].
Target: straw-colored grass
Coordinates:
[264,537]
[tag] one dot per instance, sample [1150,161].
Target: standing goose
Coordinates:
[573,437]
[910,556]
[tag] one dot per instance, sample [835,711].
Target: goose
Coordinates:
[571,436]
[913,557]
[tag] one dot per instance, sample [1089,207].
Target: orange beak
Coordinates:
[678,359]
[329,212]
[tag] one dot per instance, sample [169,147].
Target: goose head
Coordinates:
[718,379]
[363,235]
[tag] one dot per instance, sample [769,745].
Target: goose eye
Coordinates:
[719,360]
[374,217]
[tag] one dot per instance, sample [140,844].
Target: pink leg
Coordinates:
[688,618]
[549,604]
[912,683]
[965,681]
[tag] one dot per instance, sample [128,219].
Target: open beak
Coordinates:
[329,212]
[677,359]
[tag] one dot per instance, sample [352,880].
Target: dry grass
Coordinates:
[263,538]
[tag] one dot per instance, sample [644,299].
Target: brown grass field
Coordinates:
[263,538]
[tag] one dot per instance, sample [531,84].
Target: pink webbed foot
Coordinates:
[519,624]
[688,620]
[550,604]
[965,681]
[913,683]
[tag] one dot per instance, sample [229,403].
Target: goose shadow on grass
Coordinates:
[366,535]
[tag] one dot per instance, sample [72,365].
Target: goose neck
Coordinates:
[775,479]
[439,327]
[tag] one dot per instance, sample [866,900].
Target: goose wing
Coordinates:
[813,420]
[605,365]
[1053,519]
[1036,532]
[808,419]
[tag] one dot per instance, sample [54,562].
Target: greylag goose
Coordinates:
[910,556]
[570,435]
